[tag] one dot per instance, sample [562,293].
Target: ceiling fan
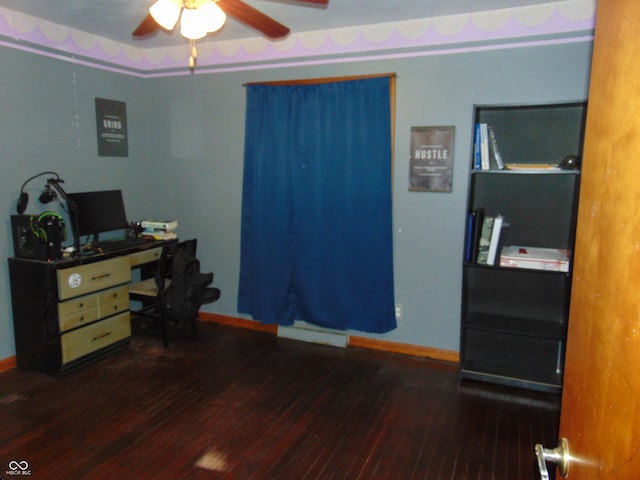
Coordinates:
[212,11]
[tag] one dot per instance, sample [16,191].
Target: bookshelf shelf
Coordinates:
[526,172]
[514,320]
[521,326]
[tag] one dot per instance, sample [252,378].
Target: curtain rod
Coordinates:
[311,81]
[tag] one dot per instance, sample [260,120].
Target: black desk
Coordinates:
[75,310]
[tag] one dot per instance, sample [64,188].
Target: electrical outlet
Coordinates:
[398,311]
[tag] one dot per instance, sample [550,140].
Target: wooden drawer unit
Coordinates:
[91,338]
[89,308]
[69,313]
[93,311]
[113,301]
[73,311]
[145,256]
[83,279]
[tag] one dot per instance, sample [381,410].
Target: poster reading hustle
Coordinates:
[431,161]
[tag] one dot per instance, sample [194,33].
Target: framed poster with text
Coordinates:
[111,122]
[431,161]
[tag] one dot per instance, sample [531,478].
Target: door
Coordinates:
[601,398]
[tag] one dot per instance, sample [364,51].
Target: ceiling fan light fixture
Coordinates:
[166,13]
[192,24]
[212,15]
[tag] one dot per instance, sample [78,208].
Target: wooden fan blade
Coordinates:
[253,18]
[146,27]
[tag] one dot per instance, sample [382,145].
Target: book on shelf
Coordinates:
[532,167]
[159,224]
[486,236]
[481,148]
[495,150]
[486,149]
[485,240]
[478,219]
[468,244]
[498,235]
[477,157]
[536,258]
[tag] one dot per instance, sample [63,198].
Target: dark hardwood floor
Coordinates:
[237,404]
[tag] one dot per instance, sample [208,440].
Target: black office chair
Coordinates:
[178,289]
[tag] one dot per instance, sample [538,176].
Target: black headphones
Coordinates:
[39,226]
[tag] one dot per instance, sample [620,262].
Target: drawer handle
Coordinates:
[81,305]
[98,277]
[106,334]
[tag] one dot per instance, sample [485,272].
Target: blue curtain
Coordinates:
[316,242]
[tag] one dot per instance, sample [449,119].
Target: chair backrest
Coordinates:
[188,288]
[190,246]
[164,269]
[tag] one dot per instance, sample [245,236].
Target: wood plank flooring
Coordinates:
[228,403]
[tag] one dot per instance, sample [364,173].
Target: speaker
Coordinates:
[25,242]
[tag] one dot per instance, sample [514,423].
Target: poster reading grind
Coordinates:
[431,162]
[111,122]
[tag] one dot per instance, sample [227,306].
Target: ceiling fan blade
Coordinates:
[253,18]
[146,27]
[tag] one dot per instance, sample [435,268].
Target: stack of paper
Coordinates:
[536,258]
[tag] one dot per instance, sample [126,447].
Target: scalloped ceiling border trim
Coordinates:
[439,35]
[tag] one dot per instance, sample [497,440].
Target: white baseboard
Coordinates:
[313,334]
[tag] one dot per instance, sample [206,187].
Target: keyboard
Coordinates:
[121,244]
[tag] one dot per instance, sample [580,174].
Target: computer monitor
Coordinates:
[98,212]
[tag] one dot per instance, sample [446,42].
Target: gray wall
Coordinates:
[185,159]
[47,122]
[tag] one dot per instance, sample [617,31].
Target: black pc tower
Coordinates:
[38,237]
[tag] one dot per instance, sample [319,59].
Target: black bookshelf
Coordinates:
[514,320]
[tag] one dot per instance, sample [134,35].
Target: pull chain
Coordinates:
[193,56]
